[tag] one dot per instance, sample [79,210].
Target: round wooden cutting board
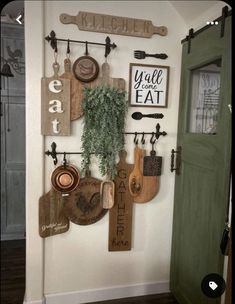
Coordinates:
[84,206]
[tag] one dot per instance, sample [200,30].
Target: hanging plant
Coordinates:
[104,109]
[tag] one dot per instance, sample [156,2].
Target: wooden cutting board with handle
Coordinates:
[52,220]
[93,22]
[150,188]
[136,176]
[120,216]
[105,78]
[76,91]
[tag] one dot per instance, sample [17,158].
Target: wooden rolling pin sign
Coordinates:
[92,22]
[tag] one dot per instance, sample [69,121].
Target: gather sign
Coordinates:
[148,85]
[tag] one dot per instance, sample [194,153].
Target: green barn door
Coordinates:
[201,188]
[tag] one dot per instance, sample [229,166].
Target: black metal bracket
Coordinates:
[53,42]
[177,161]
[189,38]
[156,134]
[53,153]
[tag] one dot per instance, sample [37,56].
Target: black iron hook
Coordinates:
[68,47]
[143,139]
[136,139]
[151,139]
[64,160]
[86,52]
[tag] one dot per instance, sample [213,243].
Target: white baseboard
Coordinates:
[43,301]
[102,294]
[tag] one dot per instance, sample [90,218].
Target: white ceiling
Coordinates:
[188,10]
[191,10]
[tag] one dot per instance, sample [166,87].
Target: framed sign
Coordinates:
[148,85]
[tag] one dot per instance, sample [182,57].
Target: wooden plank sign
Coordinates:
[118,83]
[52,220]
[55,104]
[101,23]
[76,90]
[120,216]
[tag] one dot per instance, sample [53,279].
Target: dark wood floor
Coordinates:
[13,279]
[12,272]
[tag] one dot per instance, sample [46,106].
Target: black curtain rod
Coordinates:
[207,26]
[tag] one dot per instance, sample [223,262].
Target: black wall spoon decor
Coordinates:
[139,115]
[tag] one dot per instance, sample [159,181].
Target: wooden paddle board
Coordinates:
[106,79]
[150,188]
[52,220]
[101,23]
[76,91]
[120,216]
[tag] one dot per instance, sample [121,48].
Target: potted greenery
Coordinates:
[104,109]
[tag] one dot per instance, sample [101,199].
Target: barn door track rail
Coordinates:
[53,42]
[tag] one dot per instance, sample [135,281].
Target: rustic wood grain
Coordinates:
[107,192]
[106,79]
[12,271]
[101,23]
[76,91]
[136,176]
[151,185]
[52,220]
[63,97]
[120,216]
[84,206]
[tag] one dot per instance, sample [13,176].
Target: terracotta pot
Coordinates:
[65,179]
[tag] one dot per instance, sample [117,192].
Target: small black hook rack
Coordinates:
[53,42]
[157,134]
[53,153]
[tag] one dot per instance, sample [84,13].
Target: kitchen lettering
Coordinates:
[147,86]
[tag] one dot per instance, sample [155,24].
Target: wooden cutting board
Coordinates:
[150,188]
[136,176]
[105,78]
[84,206]
[93,22]
[76,91]
[120,216]
[52,220]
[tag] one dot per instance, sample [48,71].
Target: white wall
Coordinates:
[78,260]
[80,257]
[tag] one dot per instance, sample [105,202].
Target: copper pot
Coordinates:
[65,179]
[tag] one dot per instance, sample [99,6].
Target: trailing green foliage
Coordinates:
[104,111]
